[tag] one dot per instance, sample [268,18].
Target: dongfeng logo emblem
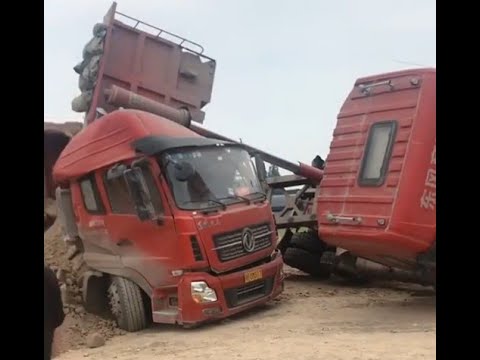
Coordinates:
[248,240]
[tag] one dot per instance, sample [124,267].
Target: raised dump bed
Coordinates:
[146,60]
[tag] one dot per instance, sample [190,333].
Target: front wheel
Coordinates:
[127,305]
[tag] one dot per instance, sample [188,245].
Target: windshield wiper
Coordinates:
[256,193]
[222,205]
[247,200]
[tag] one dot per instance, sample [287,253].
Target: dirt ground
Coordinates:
[77,324]
[311,320]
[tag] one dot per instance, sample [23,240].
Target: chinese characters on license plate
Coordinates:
[253,275]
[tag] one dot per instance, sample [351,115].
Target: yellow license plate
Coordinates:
[253,275]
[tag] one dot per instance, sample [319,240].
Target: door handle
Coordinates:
[96,224]
[335,219]
[124,242]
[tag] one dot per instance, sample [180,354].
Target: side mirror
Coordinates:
[260,166]
[116,171]
[184,171]
[318,162]
[140,162]
[139,194]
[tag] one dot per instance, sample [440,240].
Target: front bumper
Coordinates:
[234,295]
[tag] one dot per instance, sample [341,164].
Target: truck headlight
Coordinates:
[201,293]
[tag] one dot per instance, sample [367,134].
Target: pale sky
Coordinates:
[284,68]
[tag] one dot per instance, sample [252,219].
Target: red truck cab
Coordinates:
[155,208]
[377,198]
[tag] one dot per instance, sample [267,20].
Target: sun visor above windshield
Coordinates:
[151,145]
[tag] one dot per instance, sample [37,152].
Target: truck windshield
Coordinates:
[217,177]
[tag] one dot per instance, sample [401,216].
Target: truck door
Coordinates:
[147,247]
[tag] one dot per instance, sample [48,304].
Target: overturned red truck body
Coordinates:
[373,212]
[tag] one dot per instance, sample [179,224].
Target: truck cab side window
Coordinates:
[91,198]
[377,153]
[119,196]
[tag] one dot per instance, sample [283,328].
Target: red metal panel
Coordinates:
[148,64]
[397,218]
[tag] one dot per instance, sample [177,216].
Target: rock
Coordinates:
[71,252]
[50,208]
[95,340]
[64,294]
[61,276]
[77,263]
[79,310]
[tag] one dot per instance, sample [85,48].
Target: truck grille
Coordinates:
[248,293]
[229,245]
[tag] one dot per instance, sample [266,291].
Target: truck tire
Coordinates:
[127,305]
[308,241]
[306,261]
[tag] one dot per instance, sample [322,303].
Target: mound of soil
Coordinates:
[78,324]
[69,128]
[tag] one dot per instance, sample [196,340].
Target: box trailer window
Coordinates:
[90,196]
[377,153]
